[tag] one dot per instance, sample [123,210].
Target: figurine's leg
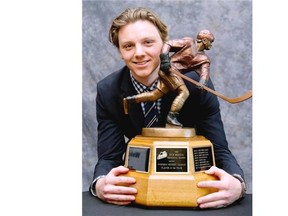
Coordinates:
[183,94]
[148,96]
[143,97]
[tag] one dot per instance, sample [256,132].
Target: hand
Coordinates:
[165,63]
[202,82]
[229,189]
[107,188]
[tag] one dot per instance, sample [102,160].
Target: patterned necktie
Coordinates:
[151,114]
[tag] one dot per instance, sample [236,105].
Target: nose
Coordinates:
[139,51]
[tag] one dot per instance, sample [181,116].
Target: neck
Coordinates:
[200,46]
[148,81]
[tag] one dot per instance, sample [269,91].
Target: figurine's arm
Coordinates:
[203,72]
[178,46]
[166,48]
[165,63]
[164,58]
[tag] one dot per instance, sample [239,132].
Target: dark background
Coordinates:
[231,67]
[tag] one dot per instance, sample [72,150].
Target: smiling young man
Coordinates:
[139,35]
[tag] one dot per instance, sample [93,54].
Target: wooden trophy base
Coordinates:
[167,164]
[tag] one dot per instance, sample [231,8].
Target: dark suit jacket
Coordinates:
[201,111]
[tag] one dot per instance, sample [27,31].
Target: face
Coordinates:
[140,46]
[208,44]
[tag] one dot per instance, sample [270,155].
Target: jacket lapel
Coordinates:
[135,111]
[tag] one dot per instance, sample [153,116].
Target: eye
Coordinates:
[148,42]
[127,46]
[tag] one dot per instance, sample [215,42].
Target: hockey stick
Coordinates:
[239,99]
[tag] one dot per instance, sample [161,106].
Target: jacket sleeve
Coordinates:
[111,143]
[211,126]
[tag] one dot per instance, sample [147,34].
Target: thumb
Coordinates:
[119,170]
[215,171]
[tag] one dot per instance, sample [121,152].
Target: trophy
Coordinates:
[167,163]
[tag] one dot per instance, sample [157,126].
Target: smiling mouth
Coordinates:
[141,63]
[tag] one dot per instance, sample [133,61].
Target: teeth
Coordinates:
[142,62]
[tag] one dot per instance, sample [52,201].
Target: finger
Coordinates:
[209,198]
[210,184]
[119,170]
[215,171]
[121,200]
[123,180]
[214,204]
[118,190]
[114,176]
[213,200]
[120,180]
[120,203]
[123,190]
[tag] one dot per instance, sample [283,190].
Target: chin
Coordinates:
[143,73]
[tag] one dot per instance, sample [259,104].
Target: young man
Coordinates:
[139,35]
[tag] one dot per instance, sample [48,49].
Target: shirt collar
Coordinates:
[140,88]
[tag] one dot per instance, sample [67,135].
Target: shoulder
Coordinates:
[188,39]
[112,80]
[181,42]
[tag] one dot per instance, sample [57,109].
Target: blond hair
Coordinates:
[131,15]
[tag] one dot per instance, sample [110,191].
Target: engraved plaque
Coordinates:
[202,158]
[139,158]
[171,159]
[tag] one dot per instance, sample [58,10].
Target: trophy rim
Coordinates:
[168,132]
